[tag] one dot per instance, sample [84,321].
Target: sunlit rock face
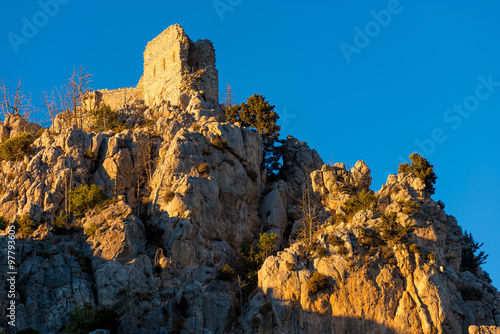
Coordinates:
[187,191]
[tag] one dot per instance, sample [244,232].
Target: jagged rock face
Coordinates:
[386,290]
[336,185]
[14,125]
[187,191]
[204,193]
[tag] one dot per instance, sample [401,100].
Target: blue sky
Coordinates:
[377,95]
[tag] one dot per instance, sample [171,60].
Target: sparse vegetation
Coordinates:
[391,231]
[60,223]
[204,169]
[422,169]
[471,259]
[317,282]
[267,241]
[335,240]
[309,229]
[364,200]
[84,198]
[91,231]
[254,257]
[409,207]
[104,118]
[440,204]
[25,226]
[14,149]
[218,143]
[226,273]
[4,222]
[86,319]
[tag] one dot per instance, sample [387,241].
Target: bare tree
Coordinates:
[310,210]
[229,100]
[69,98]
[14,104]
[51,104]
[79,85]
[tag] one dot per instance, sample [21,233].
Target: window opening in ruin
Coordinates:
[164,64]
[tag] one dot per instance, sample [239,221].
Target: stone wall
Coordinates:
[115,98]
[173,64]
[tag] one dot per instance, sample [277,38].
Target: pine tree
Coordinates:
[422,169]
[259,114]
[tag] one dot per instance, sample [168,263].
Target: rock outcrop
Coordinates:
[187,192]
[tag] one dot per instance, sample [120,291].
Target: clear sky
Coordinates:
[374,81]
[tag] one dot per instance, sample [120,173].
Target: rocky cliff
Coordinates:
[186,191]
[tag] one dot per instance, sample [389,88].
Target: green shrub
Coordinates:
[321,252]
[226,273]
[393,232]
[471,260]
[25,226]
[364,200]
[317,282]
[84,198]
[87,319]
[204,169]
[335,240]
[4,222]
[104,119]
[422,169]
[258,113]
[342,250]
[409,207]
[221,144]
[14,149]
[369,239]
[91,231]
[267,243]
[440,204]
[60,223]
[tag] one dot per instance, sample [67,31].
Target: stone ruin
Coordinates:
[173,65]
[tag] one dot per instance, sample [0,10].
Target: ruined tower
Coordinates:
[173,65]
